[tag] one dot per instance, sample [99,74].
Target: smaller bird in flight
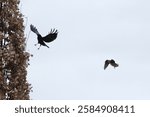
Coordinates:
[48,38]
[111,62]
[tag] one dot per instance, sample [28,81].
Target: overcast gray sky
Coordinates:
[90,31]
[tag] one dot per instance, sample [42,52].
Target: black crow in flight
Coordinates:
[48,38]
[111,62]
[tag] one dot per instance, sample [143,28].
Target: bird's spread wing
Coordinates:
[106,64]
[33,28]
[51,36]
[113,63]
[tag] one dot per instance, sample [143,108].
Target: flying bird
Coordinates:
[111,62]
[48,38]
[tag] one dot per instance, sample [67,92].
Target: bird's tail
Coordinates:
[46,46]
[33,28]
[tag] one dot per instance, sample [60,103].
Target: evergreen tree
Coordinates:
[13,56]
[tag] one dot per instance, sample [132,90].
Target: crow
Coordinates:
[48,38]
[111,62]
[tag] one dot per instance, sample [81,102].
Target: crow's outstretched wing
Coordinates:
[106,64]
[33,28]
[113,63]
[51,36]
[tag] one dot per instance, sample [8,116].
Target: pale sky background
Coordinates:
[90,31]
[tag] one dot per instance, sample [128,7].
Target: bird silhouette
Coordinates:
[48,38]
[111,62]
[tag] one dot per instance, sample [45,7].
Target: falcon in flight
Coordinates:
[48,38]
[111,62]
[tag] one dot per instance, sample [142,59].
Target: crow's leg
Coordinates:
[39,47]
[35,44]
